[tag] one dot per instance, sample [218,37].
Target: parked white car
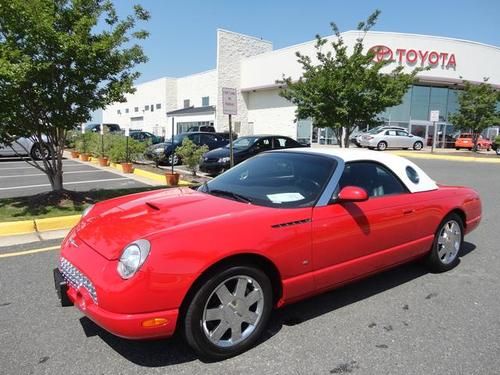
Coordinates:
[23,147]
[382,139]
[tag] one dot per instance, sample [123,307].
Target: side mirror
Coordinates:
[352,194]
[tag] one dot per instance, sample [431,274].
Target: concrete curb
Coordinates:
[13,228]
[471,159]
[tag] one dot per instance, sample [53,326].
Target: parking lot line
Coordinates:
[43,174]
[27,252]
[66,183]
[11,168]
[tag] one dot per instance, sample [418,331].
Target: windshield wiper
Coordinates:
[230,194]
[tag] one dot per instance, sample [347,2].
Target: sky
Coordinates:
[183,32]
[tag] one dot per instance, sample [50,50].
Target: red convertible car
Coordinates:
[213,262]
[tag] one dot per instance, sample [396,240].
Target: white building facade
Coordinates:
[252,67]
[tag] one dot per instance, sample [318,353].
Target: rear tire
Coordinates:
[382,146]
[447,244]
[229,312]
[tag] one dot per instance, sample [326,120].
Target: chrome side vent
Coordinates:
[290,223]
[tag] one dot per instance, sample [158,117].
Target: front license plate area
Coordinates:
[61,288]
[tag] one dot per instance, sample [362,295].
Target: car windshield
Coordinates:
[244,142]
[275,179]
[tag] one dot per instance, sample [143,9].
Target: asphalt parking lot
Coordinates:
[18,178]
[404,321]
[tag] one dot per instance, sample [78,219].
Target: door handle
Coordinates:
[408,211]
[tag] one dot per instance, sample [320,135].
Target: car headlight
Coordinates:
[224,159]
[87,210]
[133,258]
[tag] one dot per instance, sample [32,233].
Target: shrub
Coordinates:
[99,145]
[190,154]
[82,143]
[118,148]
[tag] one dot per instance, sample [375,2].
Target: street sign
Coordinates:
[229,101]
[127,131]
[434,116]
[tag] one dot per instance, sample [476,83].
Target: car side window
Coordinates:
[195,138]
[375,178]
[402,133]
[263,144]
[279,142]
[390,132]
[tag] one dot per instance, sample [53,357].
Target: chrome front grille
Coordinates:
[76,279]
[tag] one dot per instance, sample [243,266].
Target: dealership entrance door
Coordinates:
[445,133]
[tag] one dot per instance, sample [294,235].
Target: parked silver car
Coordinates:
[24,147]
[384,138]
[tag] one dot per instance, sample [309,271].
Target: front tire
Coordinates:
[447,243]
[38,152]
[229,312]
[417,146]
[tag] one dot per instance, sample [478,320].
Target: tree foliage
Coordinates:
[477,109]
[59,61]
[342,88]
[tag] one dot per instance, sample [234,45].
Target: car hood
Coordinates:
[112,225]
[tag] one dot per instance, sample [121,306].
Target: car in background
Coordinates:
[383,138]
[165,152]
[146,137]
[201,128]
[25,147]
[211,263]
[96,128]
[356,136]
[217,161]
[465,140]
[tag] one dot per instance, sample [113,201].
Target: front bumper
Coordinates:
[215,167]
[87,291]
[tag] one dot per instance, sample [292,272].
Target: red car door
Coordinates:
[352,239]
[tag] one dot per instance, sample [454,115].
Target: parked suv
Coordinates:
[383,138]
[96,128]
[203,128]
[165,152]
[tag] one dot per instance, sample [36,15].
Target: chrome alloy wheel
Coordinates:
[449,240]
[233,311]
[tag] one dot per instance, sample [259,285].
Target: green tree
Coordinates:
[190,154]
[477,109]
[59,61]
[342,88]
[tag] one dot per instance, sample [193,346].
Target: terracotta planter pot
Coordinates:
[84,157]
[103,162]
[172,178]
[75,154]
[127,167]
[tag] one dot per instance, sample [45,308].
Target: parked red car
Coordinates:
[284,225]
[465,141]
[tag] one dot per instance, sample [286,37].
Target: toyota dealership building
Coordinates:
[251,66]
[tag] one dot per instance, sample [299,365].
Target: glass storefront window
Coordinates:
[420,103]
[439,102]
[452,106]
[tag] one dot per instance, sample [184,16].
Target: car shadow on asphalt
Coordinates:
[172,351]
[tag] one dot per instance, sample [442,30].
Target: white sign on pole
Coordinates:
[229,102]
[434,116]
[127,131]
[102,129]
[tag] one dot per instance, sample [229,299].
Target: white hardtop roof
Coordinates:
[395,163]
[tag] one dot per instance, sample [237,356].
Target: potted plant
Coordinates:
[99,146]
[123,150]
[70,143]
[82,144]
[190,153]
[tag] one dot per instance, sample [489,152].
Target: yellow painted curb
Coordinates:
[470,159]
[56,223]
[17,227]
[150,175]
